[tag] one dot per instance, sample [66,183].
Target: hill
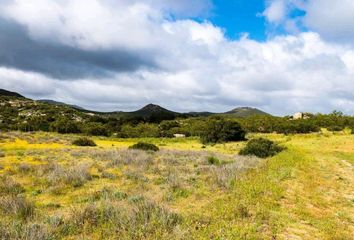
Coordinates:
[52,102]
[6,93]
[245,112]
[150,113]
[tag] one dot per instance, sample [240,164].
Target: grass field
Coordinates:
[50,189]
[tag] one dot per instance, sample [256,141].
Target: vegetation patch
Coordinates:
[49,190]
[261,147]
[18,206]
[220,130]
[145,147]
[84,142]
[10,187]
[212,160]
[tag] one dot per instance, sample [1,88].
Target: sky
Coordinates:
[282,56]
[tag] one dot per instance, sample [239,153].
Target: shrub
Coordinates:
[145,146]
[213,160]
[65,125]
[84,142]
[23,230]
[96,129]
[24,168]
[261,147]
[76,176]
[9,187]
[2,154]
[224,175]
[149,218]
[17,205]
[220,130]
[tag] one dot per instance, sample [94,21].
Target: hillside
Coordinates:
[19,112]
[52,102]
[6,93]
[245,112]
[150,112]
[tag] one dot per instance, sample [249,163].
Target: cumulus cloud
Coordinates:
[120,55]
[333,19]
[276,11]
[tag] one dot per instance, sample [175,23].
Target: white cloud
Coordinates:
[198,68]
[276,11]
[333,19]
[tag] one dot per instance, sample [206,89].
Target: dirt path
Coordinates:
[320,196]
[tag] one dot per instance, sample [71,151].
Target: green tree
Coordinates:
[221,130]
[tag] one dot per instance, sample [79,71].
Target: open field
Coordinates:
[50,189]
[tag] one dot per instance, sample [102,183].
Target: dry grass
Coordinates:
[18,206]
[52,190]
[10,187]
[76,175]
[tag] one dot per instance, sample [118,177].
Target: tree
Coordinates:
[220,130]
[96,129]
[65,125]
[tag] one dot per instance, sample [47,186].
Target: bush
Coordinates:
[96,129]
[76,176]
[145,147]
[2,154]
[213,160]
[219,130]
[65,125]
[261,147]
[16,205]
[84,142]
[9,187]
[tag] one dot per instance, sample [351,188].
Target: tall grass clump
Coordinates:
[150,219]
[224,175]
[261,147]
[142,220]
[16,205]
[75,176]
[10,187]
[24,231]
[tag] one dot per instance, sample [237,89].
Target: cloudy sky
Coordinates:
[281,56]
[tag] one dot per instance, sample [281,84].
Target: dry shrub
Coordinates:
[224,175]
[18,206]
[24,231]
[24,168]
[10,187]
[97,214]
[76,176]
[143,221]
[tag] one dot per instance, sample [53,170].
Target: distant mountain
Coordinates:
[151,113]
[52,102]
[6,93]
[245,112]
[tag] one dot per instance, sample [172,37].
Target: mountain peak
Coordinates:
[246,111]
[153,108]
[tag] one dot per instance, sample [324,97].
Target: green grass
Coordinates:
[184,191]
